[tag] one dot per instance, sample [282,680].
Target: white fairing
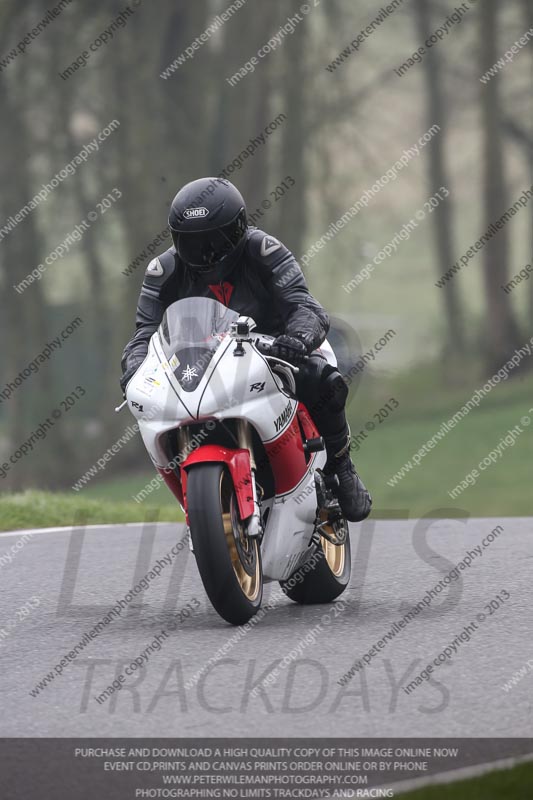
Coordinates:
[232,387]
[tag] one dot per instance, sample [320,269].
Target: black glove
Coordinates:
[290,349]
[126,378]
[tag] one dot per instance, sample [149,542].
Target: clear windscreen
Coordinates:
[190,333]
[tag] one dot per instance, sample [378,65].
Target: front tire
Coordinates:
[329,576]
[229,562]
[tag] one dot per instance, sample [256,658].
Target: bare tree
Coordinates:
[527,6]
[501,334]
[437,113]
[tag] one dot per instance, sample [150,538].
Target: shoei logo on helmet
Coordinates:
[194,213]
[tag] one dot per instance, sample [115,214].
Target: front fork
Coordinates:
[244,437]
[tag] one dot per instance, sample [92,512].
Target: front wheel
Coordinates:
[328,574]
[229,562]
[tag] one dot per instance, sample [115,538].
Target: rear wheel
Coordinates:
[329,575]
[228,560]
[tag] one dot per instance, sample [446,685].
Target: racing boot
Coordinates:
[354,499]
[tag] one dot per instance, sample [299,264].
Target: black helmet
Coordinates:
[208,223]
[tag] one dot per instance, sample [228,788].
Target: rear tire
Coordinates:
[329,576]
[229,561]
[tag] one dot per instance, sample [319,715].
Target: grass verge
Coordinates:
[502,489]
[34,509]
[507,784]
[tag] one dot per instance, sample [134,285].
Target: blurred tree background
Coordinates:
[343,128]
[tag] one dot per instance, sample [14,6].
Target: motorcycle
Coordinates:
[220,421]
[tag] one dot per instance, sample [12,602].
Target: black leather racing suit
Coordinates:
[268,285]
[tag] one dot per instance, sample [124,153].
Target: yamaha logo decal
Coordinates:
[195,213]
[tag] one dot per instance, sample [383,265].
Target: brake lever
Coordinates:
[294,369]
[121,406]
[264,349]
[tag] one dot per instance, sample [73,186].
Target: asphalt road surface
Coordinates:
[68,580]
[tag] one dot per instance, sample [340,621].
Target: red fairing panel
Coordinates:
[287,457]
[238,462]
[309,428]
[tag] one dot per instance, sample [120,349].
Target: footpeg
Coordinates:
[329,522]
[325,488]
[331,482]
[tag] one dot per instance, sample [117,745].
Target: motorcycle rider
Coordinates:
[217,254]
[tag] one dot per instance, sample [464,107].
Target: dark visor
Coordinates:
[208,248]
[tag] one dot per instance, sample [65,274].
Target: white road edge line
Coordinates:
[37,531]
[453,775]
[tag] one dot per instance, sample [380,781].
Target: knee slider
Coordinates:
[334,390]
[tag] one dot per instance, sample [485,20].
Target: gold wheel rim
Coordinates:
[335,554]
[250,584]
